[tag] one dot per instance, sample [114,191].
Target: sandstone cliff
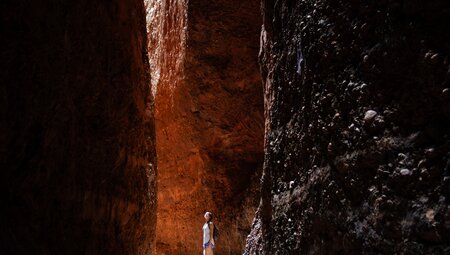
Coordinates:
[77,129]
[357,137]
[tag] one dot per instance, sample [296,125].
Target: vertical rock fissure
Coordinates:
[209,119]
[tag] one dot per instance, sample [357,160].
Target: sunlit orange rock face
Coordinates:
[77,171]
[209,120]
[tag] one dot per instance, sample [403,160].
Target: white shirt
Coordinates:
[206,233]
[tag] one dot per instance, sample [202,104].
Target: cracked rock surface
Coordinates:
[357,141]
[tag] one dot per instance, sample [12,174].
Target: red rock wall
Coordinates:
[77,129]
[209,120]
[167,33]
[358,128]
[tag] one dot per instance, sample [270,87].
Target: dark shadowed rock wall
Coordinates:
[77,131]
[357,142]
[209,120]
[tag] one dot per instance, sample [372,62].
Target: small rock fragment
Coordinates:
[422,163]
[365,59]
[369,116]
[405,171]
[430,215]
[430,153]
[291,184]
[445,93]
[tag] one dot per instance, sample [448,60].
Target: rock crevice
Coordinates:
[209,120]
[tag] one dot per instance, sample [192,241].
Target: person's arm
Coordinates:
[211,233]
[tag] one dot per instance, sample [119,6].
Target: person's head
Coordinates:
[208,216]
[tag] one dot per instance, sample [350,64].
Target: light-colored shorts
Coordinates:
[208,244]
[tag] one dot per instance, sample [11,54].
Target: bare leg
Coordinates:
[209,251]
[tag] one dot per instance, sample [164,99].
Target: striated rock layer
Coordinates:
[209,120]
[77,133]
[357,128]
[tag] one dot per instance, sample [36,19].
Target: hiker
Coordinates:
[208,235]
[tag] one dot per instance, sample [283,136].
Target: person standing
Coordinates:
[208,235]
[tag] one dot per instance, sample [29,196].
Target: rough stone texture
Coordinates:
[77,130]
[167,32]
[209,120]
[357,128]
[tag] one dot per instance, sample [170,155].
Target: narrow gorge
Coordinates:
[306,127]
[209,120]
